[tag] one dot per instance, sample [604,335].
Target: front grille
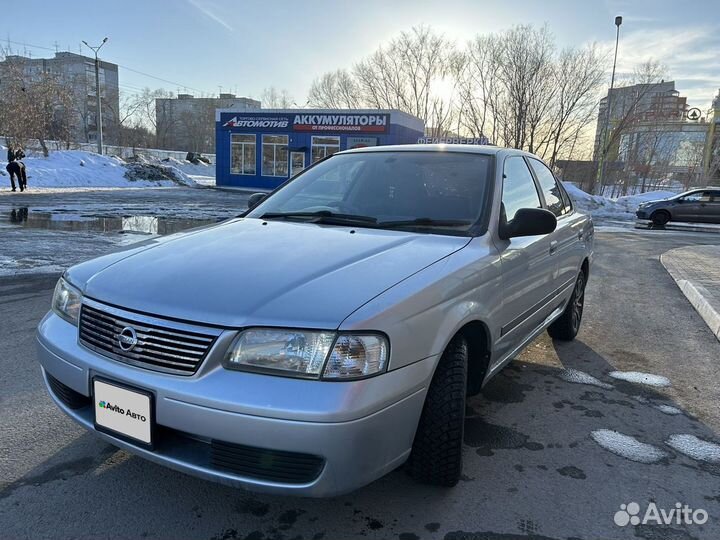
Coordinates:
[67,395]
[161,345]
[272,465]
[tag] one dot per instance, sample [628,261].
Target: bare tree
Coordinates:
[335,90]
[413,73]
[35,104]
[272,98]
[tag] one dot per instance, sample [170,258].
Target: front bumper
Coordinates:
[361,430]
[642,213]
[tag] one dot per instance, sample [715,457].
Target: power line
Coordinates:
[167,81]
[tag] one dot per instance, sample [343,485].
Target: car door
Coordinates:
[528,271]
[705,207]
[565,243]
[713,207]
[687,208]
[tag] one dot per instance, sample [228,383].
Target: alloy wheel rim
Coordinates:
[578,299]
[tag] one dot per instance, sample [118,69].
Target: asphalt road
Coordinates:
[532,468]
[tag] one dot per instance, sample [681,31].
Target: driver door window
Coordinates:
[519,189]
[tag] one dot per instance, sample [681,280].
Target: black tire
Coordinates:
[660,218]
[436,456]
[567,326]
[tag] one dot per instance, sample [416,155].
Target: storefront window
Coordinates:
[275,155]
[324,146]
[242,154]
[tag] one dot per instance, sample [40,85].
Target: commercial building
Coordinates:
[187,123]
[637,103]
[262,149]
[76,72]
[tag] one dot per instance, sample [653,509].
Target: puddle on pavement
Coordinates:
[24,217]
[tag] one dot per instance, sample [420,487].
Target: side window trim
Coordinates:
[537,182]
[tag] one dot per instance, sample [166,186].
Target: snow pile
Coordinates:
[75,168]
[627,447]
[696,448]
[580,377]
[157,173]
[620,208]
[668,409]
[640,378]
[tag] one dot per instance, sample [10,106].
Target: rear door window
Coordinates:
[550,189]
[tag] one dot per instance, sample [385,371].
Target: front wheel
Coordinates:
[436,456]
[567,326]
[660,218]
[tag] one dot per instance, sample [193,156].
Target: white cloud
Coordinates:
[689,53]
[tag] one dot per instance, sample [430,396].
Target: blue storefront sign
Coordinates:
[261,149]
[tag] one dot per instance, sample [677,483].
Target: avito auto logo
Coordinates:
[117,409]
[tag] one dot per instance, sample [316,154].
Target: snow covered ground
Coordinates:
[622,208]
[85,170]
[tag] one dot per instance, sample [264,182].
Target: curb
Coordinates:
[696,295]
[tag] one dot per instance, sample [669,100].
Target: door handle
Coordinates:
[553,247]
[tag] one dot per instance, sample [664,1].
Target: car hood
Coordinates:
[247,272]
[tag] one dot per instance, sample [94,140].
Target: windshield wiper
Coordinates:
[323,216]
[425,222]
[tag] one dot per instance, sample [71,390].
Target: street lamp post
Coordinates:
[98,115]
[603,148]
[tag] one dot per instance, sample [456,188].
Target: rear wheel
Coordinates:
[567,326]
[437,450]
[660,218]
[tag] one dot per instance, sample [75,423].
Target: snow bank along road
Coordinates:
[554,445]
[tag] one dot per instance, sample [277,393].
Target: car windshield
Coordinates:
[439,192]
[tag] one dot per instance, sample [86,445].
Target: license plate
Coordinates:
[123,411]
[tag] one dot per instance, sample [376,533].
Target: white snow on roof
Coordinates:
[580,377]
[696,448]
[640,378]
[627,447]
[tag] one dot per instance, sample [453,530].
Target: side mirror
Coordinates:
[528,222]
[255,199]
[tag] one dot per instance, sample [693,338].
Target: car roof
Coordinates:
[465,148]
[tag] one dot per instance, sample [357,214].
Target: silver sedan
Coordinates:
[331,333]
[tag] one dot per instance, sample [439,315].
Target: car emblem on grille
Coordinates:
[127,338]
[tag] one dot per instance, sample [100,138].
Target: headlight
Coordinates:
[66,301]
[304,353]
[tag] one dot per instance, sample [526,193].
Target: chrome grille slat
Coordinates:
[142,327]
[136,353]
[178,348]
[113,332]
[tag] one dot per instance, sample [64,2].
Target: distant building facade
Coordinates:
[653,136]
[187,123]
[712,145]
[78,73]
[637,103]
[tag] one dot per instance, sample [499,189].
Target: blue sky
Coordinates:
[244,46]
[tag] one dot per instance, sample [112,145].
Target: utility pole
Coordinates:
[98,115]
[603,148]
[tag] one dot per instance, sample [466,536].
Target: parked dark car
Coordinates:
[695,206]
